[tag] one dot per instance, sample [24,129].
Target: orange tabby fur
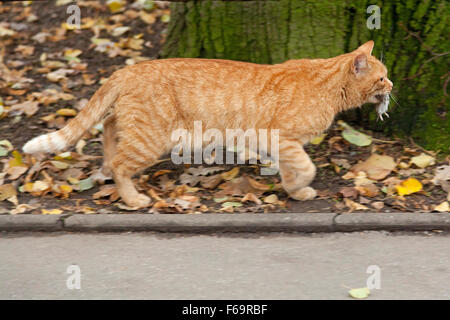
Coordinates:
[149,100]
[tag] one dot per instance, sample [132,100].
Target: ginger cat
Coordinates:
[149,100]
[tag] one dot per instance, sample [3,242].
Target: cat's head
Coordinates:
[368,75]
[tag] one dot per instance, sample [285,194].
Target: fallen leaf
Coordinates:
[165,18]
[160,173]
[148,18]
[21,208]
[408,186]
[443,207]
[39,186]
[6,32]
[349,175]
[261,186]
[231,204]
[273,198]
[16,172]
[376,166]
[359,293]
[368,190]
[67,112]
[25,50]
[361,179]
[7,191]
[52,211]
[115,6]
[59,164]
[8,146]
[117,32]
[377,205]
[85,184]
[238,187]
[318,140]
[230,175]
[341,163]
[353,136]
[423,160]
[251,197]
[442,178]
[27,107]
[211,182]
[59,74]
[352,205]
[349,192]
[16,161]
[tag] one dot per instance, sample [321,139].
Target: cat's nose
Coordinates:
[390,84]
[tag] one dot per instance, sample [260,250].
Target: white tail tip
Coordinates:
[45,143]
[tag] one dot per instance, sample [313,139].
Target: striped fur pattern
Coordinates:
[149,100]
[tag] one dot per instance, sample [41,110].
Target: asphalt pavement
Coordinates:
[223,266]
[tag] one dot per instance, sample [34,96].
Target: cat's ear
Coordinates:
[359,63]
[366,47]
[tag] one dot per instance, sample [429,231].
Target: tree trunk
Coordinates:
[413,38]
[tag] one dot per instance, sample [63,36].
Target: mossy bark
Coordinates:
[275,31]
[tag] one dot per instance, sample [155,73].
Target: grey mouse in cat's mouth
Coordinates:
[383,105]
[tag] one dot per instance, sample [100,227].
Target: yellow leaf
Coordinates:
[67,26]
[28,187]
[115,5]
[17,161]
[360,293]
[72,53]
[65,188]
[230,175]
[67,112]
[408,186]
[318,140]
[73,180]
[52,211]
[87,210]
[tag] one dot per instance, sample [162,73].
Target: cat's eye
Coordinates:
[381,79]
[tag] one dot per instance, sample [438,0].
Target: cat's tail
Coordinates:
[91,114]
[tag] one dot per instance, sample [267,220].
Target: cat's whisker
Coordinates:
[393,99]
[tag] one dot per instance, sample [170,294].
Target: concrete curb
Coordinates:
[30,222]
[393,221]
[203,223]
[210,223]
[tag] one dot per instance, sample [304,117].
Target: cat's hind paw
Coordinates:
[140,201]
[303,194]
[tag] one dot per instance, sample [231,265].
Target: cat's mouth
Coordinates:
[380,97]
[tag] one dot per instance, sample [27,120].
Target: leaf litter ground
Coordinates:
[48,71]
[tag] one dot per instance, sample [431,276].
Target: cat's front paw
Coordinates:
[303,194]
[140,201]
